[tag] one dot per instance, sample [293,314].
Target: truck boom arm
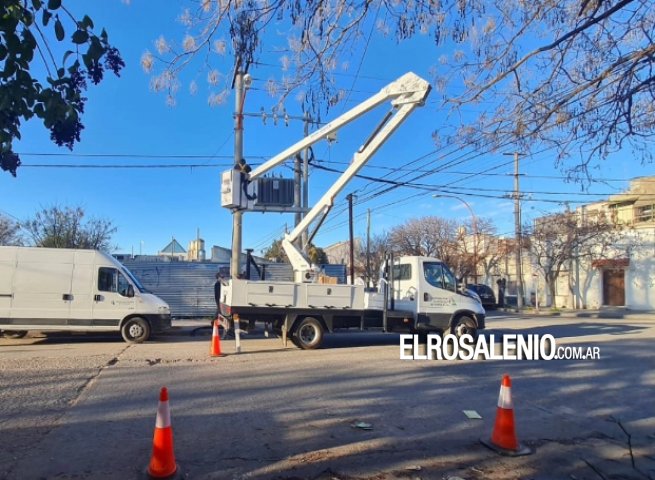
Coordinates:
[406,93]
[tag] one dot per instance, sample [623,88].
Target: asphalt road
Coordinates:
[84,406]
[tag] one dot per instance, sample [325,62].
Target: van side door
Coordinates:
[42,290]
[112,301]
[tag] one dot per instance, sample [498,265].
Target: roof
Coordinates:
[172,248]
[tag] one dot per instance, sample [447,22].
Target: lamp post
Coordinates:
[474,224]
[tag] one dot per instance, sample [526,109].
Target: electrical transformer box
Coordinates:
[274,192]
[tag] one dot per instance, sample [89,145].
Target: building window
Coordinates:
[644,213]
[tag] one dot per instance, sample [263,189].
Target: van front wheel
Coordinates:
[135,330]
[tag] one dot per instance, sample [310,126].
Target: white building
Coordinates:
[623,275]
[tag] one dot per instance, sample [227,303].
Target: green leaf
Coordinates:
[96,49]
[59,30]
[54,4]
[37,4]
[46,17]
[80,36]
[86,22]
[66,55]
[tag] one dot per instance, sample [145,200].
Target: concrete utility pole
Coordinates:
[305,180]
[237,215]
[352,246]
[517,231]
[368,247]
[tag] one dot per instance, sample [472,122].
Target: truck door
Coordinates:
[111,301]
[404,288]
[437,290]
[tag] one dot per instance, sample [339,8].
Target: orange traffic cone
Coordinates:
[215,350]
[503,438]
[162,462]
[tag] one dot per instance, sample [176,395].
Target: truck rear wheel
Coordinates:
[135,330]
[309,334]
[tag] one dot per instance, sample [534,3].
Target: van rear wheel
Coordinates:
[15,334]
[135,330]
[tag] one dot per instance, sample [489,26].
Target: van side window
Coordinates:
[106,278]
[123,284]
[402,272]
[111,280]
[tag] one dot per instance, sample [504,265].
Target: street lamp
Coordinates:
[474,224]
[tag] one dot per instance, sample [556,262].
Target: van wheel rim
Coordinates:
[135,331]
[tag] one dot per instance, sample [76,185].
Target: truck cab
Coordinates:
[427,287]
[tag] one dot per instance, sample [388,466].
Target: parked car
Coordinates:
[486,294]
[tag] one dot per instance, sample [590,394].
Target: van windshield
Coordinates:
[438,275]
[135,281]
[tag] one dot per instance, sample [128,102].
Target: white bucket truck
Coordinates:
[75,290]
[419,294]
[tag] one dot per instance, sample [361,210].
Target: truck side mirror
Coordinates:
[130,291]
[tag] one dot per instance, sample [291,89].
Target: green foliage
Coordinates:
[65,227]
[317,255]
[26,29]
[276,253]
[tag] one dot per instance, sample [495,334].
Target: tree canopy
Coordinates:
[9,231]
[67,227]
[575,76]
[29,31]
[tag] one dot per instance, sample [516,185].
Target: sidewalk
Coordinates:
[607,312]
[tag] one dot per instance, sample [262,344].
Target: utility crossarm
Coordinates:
[406,93]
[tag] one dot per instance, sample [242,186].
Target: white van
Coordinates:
[75,290]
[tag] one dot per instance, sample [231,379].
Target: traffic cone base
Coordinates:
[520,450]
[215,348]
[503,437]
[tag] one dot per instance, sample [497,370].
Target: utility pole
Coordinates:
[297,177]
[305,180]
[368,247]
[517,232]
[352,246]
[237,214]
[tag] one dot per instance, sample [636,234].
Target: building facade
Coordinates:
[619,274]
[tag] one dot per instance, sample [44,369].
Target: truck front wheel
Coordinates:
[309,334]
[135,330]
[464,325]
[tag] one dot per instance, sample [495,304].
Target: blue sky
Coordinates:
[124,118]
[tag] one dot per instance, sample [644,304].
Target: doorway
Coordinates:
[614,287]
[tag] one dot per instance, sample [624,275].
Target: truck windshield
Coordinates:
[438,275]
